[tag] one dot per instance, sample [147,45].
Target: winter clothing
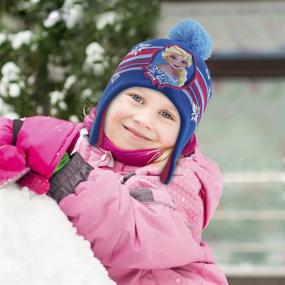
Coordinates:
[40,144]
[152,64]
[143,231]
[64,182]
[136,157]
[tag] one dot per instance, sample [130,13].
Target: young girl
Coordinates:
[131,179]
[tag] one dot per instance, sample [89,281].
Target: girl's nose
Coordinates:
[144,119]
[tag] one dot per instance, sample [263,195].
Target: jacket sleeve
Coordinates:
[12,159]
[42,141]
[6,131]
[210,178]
[45,140]
[130,227]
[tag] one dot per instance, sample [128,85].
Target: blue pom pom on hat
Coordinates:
[193,33]
[188,88]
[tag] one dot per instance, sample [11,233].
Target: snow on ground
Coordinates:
[38,245]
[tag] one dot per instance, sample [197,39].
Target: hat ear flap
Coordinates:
[169,167]
[101,130]
[90,118]
[96,133]
[190,146]
[165,174]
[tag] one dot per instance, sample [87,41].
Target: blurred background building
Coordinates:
[57,55]
[244,131]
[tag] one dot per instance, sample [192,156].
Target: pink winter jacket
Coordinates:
[144,232]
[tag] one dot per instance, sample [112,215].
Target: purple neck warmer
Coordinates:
[137,157]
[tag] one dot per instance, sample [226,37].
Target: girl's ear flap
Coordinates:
[165,174]
[90,118]
[190,147]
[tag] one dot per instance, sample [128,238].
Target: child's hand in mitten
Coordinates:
[12,163]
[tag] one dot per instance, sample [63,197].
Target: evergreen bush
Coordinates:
[56,56]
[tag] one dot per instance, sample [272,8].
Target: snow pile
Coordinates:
[38,245]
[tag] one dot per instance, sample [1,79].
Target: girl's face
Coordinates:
[176,61]
[142,118]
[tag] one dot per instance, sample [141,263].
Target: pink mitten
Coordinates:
[12,164]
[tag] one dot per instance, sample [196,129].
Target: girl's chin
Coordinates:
[125,143]
[133,145]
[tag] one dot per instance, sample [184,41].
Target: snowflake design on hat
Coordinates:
[114,77]
[158,76]
[195,113]
[209,88]
[208,74]
[139,48]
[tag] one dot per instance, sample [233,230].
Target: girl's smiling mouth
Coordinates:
[136,133]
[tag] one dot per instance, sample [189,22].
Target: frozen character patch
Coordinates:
[172,66]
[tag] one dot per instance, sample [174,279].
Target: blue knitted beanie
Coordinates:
[148,64]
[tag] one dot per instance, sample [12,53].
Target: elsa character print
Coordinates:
[177,60]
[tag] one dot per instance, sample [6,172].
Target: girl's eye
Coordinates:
[184,62]
[172,56]
[166,115]
[137,98]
